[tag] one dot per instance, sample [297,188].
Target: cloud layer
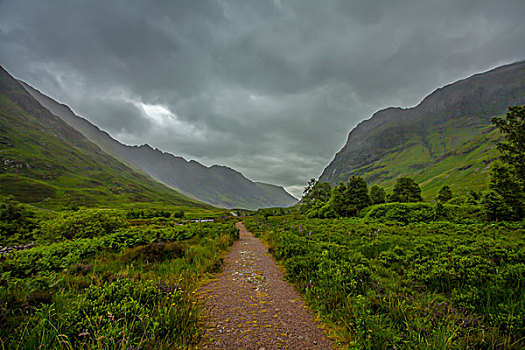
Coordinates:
[270,88]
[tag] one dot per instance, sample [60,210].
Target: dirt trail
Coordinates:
[250,306]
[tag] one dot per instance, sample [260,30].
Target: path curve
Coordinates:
[250,306]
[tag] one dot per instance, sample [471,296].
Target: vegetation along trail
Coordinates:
[250,306]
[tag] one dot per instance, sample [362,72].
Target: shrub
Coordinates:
[83,294]
[148,214]
[402,212]
[154,252]
[321,210]
[124,313]
[15,221]
[437,285]
[85,223]
[423,212]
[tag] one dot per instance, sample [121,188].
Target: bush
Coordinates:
[154,252]
[15,221]
[321,210]
[402,212]
[83,294]
[178,214]
[437,285]
[85,223]
[124,313]
[423,212]
[149,214]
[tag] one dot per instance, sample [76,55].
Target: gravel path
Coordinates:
[250,306]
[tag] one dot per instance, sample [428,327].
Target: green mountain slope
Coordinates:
[218,185]
[44,160]
[446,139]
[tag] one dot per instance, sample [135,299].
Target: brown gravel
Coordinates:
[250,306]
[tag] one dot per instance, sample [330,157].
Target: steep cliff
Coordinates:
[447,138]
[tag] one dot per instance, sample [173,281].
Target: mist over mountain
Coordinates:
[446,139]
[217,185]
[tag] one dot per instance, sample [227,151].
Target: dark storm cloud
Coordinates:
[270,88]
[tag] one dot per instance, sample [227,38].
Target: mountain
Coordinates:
[446,139]
[44,160]
[218,185]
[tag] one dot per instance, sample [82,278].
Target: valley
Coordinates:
[413,236]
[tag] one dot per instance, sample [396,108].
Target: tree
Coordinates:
[337,199]
[444,194]
[377,195]
[508,174]
[356,195]
[349,198]
[506,185]
[495,208]
[513,148]
[321,191]
[406,190]
[314,192]
[309,188]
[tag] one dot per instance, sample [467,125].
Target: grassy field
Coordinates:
[459,154]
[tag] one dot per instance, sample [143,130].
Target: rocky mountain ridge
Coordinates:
[217,185]
[446,134]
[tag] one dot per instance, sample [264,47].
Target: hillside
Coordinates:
[217,185]
[446,139]
[46,161]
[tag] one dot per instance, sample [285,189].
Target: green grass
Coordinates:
[27,190]
[46,162]
[459,155]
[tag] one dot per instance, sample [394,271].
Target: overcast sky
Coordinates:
[268,87]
